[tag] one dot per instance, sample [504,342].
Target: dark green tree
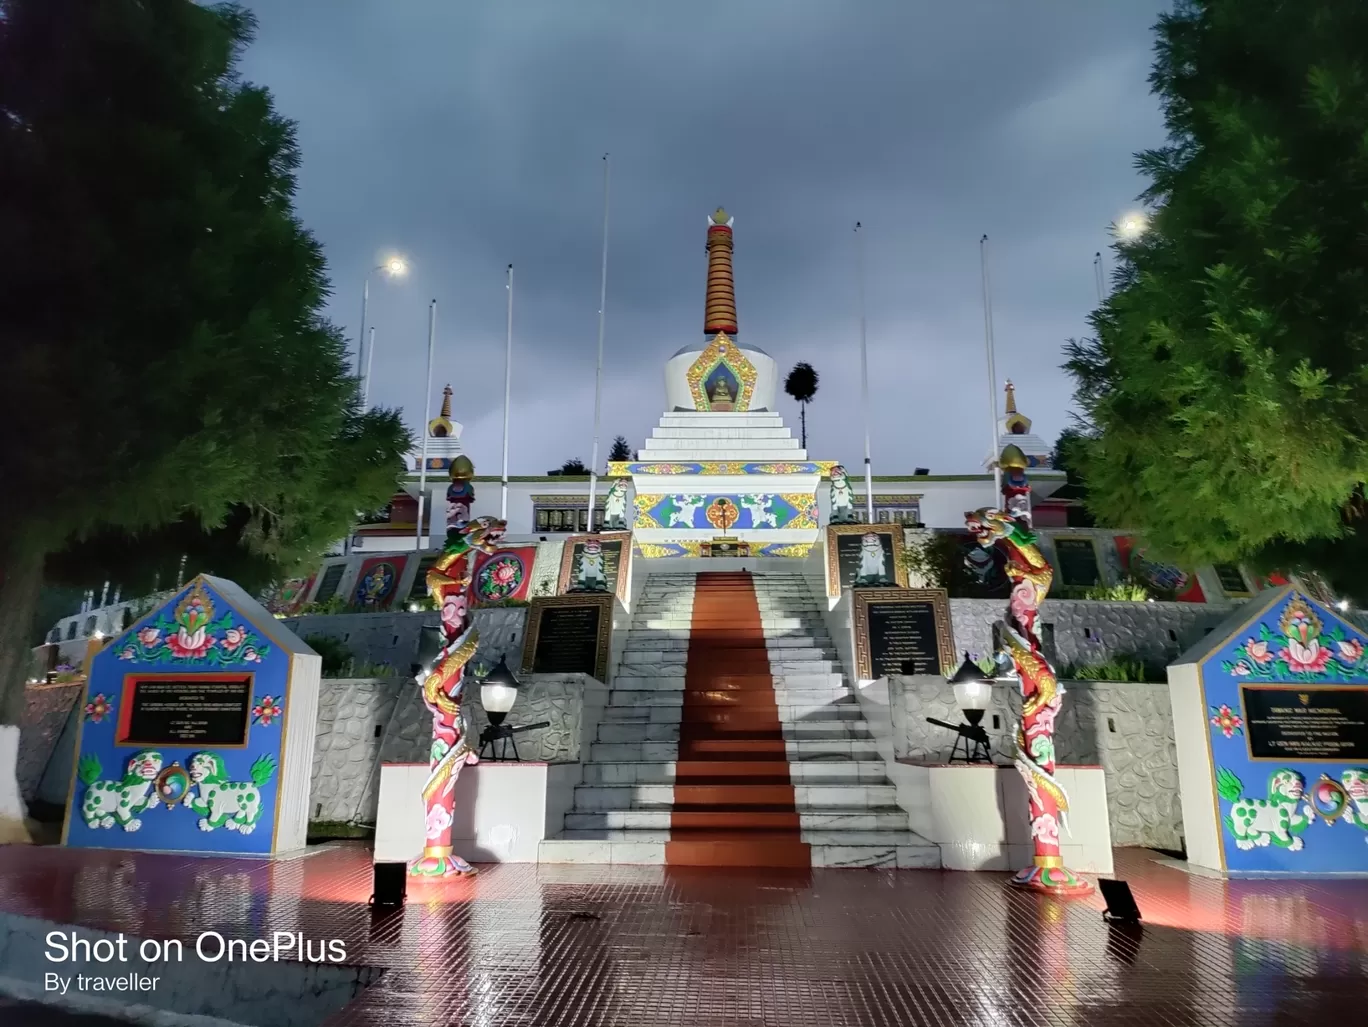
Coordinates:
[1227,385]
[1067,457]
[574,466]
[621,450]
[801,385]
[178,387]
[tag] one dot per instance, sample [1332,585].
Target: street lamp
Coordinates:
[973,689]
[1132,226]
[394,267]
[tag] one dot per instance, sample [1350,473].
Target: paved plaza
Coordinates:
[523,944]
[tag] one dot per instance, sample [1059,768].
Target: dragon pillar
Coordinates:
[1041,698]
[442,660]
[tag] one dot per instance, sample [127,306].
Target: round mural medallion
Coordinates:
[172,784]
[500,578]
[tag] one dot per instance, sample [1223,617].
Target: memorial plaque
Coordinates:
[327,586]
[847,564]
[616,551]
[967,569]
[1232,579]
[1287,722]
[895,627]
[206,709]
[1077,562]
[568,635]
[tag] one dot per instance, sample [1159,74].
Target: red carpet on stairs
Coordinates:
[733,799]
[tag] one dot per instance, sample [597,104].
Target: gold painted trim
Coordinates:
[861,599]
[833,575]
[605,629]
[567,560]
[80,716]
[1284,686]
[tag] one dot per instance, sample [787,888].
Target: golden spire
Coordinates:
[440,427]
[446,400]
[1014,422]
[719,313]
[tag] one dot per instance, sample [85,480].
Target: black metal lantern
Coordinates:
[973,689]
[498,692]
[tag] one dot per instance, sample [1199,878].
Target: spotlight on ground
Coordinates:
[391,885]
[1121,907]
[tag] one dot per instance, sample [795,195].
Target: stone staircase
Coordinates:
[723,795]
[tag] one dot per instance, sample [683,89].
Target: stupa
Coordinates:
[721,463]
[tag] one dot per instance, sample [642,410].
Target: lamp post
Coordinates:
[395,267]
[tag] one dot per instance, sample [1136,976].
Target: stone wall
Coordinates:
[1125,728]
[1090,631]
[390,640]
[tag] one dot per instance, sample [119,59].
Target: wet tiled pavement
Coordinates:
[643,946]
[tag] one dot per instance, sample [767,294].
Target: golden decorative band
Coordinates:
[436,851]
[1049,862]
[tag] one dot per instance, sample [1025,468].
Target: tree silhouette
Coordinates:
[574,466]
[620,450]
[801,384]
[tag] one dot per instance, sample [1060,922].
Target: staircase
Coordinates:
[731,739]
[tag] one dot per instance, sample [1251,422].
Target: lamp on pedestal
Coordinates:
[498,692]
[973,689]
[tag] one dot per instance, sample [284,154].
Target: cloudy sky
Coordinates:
[470,135]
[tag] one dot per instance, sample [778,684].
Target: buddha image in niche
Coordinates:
[721,388]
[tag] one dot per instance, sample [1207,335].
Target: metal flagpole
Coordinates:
[598,372]
[508,390]
[427,416]
[361,332]
[1100,276]
[992,368]
[370,359]
[864,377]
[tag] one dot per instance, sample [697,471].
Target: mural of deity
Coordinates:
[590,576]
[615,507]
[873,563]
[842,498]
[722,390]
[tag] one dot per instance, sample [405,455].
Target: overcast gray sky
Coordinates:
[469,135]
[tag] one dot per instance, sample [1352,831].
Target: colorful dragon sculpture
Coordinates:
[441,675]
[1041,695]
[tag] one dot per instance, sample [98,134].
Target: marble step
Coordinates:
[809,773]
[655,621]
[872,819]
[639,678]
[671,662]
[901,850]
[739,728]
[604,798]
[781,643]
[709,433]
[841,707]
[793,750]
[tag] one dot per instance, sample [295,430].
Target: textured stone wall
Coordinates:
[391,639]
[1089,631]
[46,711]
[1125,728]
[546,568]
[353,714]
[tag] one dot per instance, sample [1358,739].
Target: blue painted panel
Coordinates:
[184,797]
[1284,701]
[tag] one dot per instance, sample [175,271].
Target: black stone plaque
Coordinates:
[968,570]
[904,634]
[567,639]
[848,552]
[1293,723]
[212,710]
[1077,560]
[612,560]
[1232,579]
[327,587]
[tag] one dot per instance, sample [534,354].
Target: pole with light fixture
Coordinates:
[395,267]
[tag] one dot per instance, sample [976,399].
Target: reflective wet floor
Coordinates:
[704,947]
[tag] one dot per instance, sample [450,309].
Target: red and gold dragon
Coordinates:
[442,679]
[1041,697]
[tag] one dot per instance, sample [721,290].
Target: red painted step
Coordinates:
[733,797]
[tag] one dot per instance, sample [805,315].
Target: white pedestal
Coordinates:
[979,818]
[500,814]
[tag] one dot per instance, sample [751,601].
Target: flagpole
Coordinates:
[427,416]
[370,359]
[1100,276]
[598,371]
[992,369]
[508,391]
[864,377]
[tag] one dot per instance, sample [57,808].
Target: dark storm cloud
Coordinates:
[469,135]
